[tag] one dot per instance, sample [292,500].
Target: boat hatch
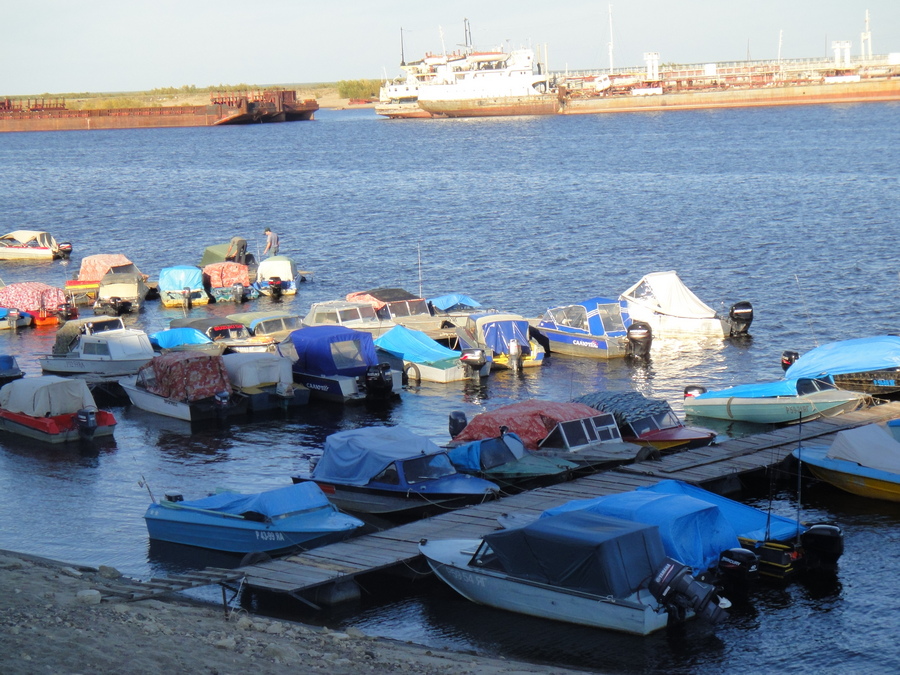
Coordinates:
[575,433]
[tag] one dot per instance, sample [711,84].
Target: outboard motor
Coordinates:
[379,381]
[738,568]
[64,248]
[741,315]
[822,545]
[221,401]
[174,497]
[693,390]
[12,317]
[87,423]
[237,293]
[473,359]
[515,355]
[788,358]
[67,311]
[640,338]
[186,300]
[673,586]
[277,288]
[458,422]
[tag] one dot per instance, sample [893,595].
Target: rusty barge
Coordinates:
[280,105]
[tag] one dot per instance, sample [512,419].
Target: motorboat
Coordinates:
[184,340]
[118,285]
[785,547]
[782,402]
[32,245]
[506,337]
[218,253]
[646,421]
[266,380]
[455,307]
[577,567]
[277,276]
[869,364]
[9,369]
[229,282]
[339,364]
[182,286]
[397,306]
[13,318]
[189,386]
[99,346]
[390,471]
[271,325]
[47,305]
[571,431]
[598,328]
[864,461]
[506,461]
[356,315]
[425,360]
[52,409]
[233,334]
[294,517]
[671,309]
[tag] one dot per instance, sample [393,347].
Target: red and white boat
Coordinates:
[32,245]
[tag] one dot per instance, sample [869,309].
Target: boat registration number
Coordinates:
[270,536]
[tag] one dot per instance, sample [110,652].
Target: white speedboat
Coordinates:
[661,300]
[98,346]
[614,573]
[32,245]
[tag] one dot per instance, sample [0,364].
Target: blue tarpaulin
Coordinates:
[174,337]
[278,502]
[414,345]
[471,456]
[332,350]
[180,277]
[761,390]
[497,335]
[454,301]
[848,356]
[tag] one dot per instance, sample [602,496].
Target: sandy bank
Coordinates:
[51,622]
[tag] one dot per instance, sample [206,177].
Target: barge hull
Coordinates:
[494,107]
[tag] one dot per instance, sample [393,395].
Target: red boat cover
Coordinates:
[31,296]
[531,420]
[227,274]
[379,297]
[94,267]
[185,376]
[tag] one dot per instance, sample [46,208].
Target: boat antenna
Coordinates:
[806,311]
[419,255]
[402,54]
[443,46]
[467,30]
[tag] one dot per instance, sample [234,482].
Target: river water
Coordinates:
[793,209]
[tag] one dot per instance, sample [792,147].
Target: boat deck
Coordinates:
[717,468]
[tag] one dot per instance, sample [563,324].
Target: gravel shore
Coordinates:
[52,621]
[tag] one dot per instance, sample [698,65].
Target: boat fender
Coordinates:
[255,558]
[788,358]
[414,369]
[693,390]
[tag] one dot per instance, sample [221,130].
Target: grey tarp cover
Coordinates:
[581,551]
[665,293]
[870,446]
[46,395]
[625,406]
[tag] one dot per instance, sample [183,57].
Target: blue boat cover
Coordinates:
[273,503]
[174,337]
[761,390]
[355,456]
[747,521]
[454,301]
[180,277]
[333,350]
[487,453]
[497,334]
[581,551]
[848,356]
[414,345]
[693,532]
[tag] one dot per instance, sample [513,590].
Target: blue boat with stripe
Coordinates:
[597,328]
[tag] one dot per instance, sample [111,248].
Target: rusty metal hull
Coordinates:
[547,104]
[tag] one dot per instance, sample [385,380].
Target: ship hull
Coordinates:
[547,104]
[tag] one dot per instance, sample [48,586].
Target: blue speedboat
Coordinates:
[598,328]
[390,471]
[339,364]
[276,520]
[870,365]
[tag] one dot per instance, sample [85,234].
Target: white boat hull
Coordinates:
[776,410]
[152,403]
[78,365]
[449,559]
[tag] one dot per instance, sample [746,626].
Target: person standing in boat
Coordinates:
[271,242]
[239,244]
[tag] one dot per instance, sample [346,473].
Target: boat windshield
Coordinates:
[278,325]
[427,468]
[575,433]
[234,331]
[611,316]
[811,385]
[573,316]
[366,313]
[495,454]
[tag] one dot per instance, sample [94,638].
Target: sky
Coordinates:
[73,46]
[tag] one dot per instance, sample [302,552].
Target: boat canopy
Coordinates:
[185,376]
[488,453]
[25,237]
[771,389]
[595,316]
[581,551]
[46,396]
[454,302]
[175,337]
[180,277]
[277,266]
[530,420]
[665,293]
[226,274]
[95,267]
[355,456]
[848,356]
[693,531]
[626,406]
[747,521]
[69,332]
[268,323]
[31,296]
[257,369]
[379,297]
[329,350]
[496,330]
[414,345]
[271,504]
[870,446]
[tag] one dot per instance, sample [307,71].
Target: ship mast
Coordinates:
[610,41]
[866,40]
[402,55]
